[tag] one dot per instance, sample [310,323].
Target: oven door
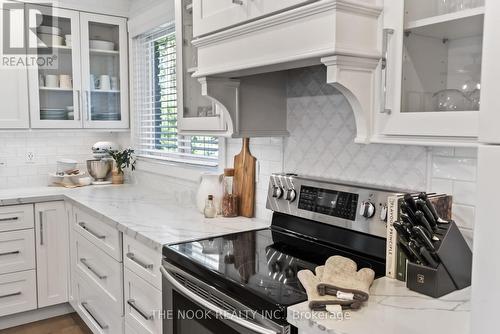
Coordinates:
[187,310]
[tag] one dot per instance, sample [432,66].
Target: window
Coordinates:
[155,99]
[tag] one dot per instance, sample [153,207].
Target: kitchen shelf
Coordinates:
[105,91]
[56,89]
[465,23]
[104,52]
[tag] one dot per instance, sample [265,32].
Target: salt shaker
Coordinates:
[210,210]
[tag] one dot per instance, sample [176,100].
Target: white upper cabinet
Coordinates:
[104,71]
[55,85]
[14,113]
[430,86]
[214,15]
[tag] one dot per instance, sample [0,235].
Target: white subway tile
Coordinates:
[463,169]
[464,215]
[468,235]
[441,186]
[464,192]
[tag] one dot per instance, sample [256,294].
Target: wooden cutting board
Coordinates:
[244,179]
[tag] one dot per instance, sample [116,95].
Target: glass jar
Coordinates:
[229,199]
[210,210]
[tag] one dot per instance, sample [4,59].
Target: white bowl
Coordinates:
[102,45]
[49,30]
[64,165]
[51,40]
[85,181]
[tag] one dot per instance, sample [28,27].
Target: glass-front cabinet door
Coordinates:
[104,71]
[433,73]
[55,85]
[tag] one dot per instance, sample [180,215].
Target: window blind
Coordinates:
[155,101]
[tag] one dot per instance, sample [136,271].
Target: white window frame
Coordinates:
[160,165]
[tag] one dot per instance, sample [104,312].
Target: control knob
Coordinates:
[277,192]
[290,195]
[367,209]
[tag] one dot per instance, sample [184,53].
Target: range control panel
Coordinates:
[353,206]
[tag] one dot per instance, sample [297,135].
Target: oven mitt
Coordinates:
[316,302]
[342,279]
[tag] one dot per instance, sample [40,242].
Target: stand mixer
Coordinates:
[100,167]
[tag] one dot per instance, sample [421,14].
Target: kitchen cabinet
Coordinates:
[84,81]
[198,114]
[17,292]
[213,15]
[431,80]
[13,92]
[52,256]
[104,71]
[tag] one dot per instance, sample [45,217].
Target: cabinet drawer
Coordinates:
[16,217]
[17,251]
[142,260]
[17,292]
[101,269]
[143,305]
[94,309]
[99,233]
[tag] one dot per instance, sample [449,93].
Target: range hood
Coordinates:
[342,35]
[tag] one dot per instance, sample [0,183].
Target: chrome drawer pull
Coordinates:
[133,305]
[11,294]
[139,262]
[40,214]
[10,253]
[89,267]
[99,323]
[238,2]
[8,219]
[84,226]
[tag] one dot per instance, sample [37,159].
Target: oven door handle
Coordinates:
[242,322]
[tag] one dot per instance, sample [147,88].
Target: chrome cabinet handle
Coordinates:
[133,305]
[132,257]
[226,315]
[89,267]
[238,2]
[8,219]
[100,323]
[11,294]
[10,253]
[78,100]
[40,215]
[385,51]
[95,234]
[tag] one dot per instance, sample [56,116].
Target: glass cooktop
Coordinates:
[258,267]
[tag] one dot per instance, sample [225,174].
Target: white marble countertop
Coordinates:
[152,217]
[391,309]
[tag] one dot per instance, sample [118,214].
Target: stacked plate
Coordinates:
[53,114]
[50,36]
[106,116]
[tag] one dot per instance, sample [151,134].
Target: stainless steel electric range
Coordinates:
[244,282]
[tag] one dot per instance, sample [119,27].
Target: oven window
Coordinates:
[190,318]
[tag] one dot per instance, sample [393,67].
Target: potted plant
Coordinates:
[123,159]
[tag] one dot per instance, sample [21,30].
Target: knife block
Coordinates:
[454,270]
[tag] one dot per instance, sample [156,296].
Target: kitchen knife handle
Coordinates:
[410,201]
[406,249]
[428,257]
[409,212]
[422,236]
[416,252]
[422,221]
[422,206]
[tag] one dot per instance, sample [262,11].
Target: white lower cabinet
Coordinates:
[95,308]
[17,292]
[100,269]
[143,305]
[52,253]
[16,217]
[17,251]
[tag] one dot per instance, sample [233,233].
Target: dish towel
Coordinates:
[318,302]
[342,279]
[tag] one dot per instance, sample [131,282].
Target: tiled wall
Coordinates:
[47,147]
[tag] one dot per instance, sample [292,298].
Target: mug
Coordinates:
[67,38]
[41,80]
[65,81]
[103,82]
[114,83]
[52,81]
